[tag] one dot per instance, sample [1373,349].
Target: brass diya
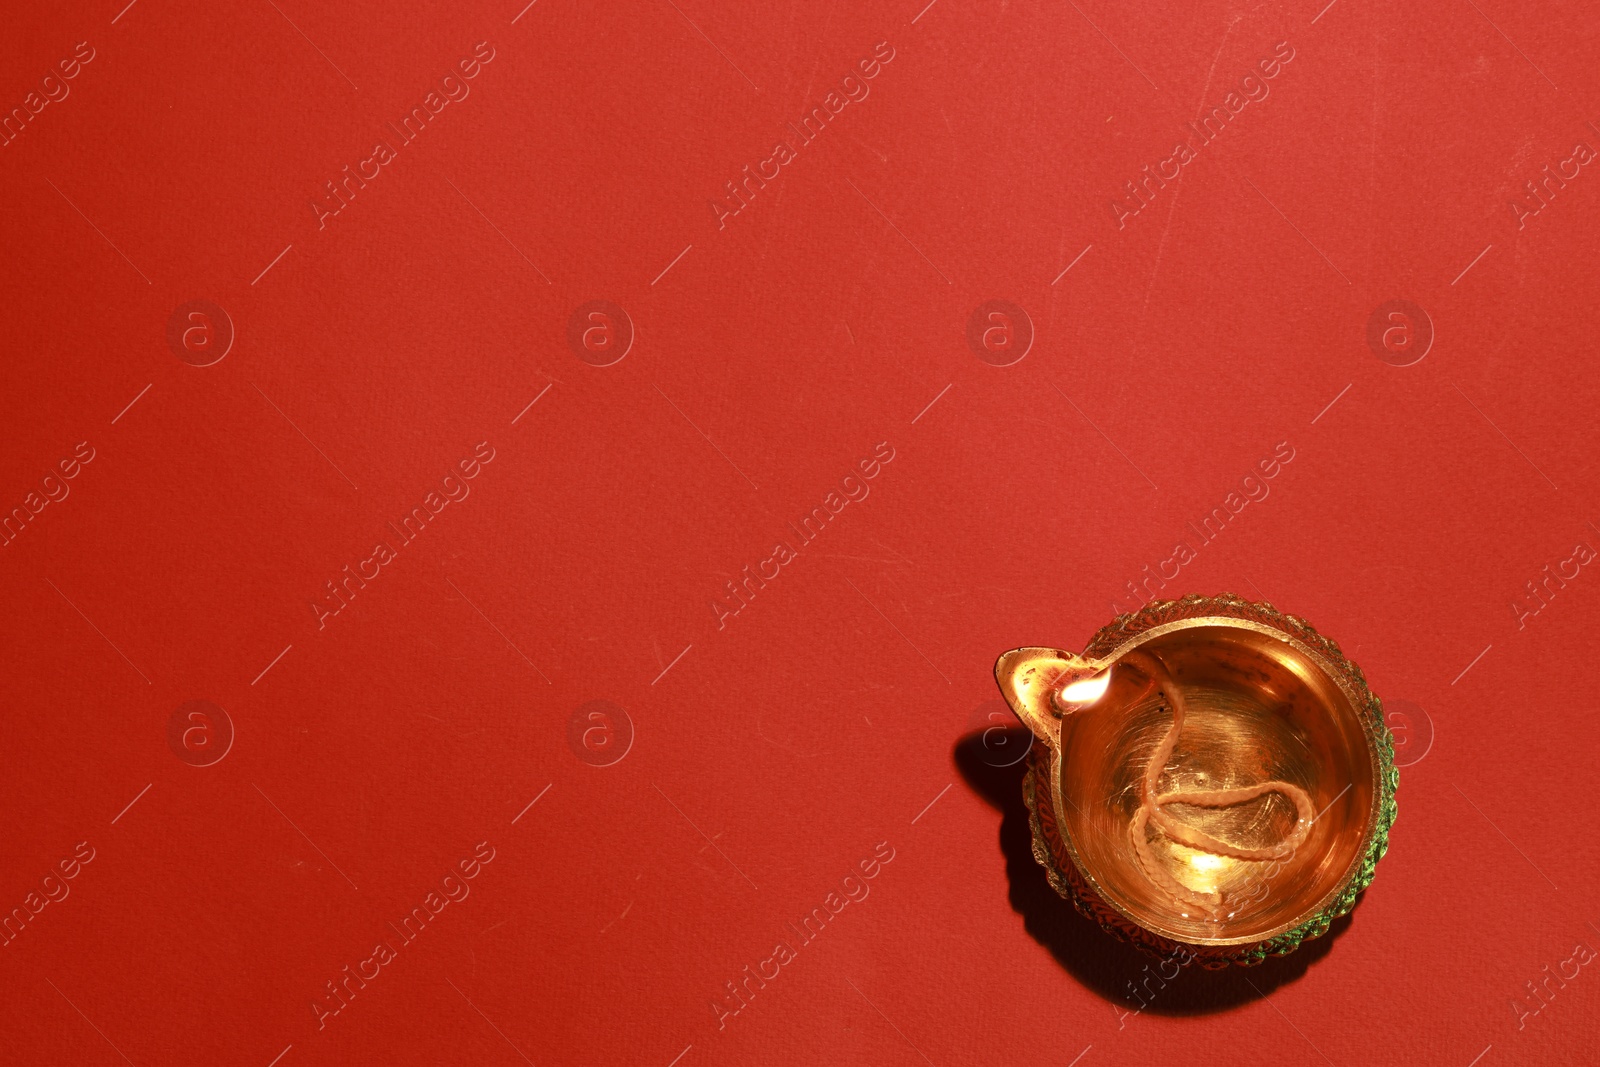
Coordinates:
[1215,777]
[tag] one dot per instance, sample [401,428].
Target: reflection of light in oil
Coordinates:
[1204,861]
[1086,691]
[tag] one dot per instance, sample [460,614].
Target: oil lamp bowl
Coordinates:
[1266,701]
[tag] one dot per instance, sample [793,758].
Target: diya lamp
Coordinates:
[1214,777]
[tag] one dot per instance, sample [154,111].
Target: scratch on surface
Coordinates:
[1177,192]
[779,744]
[888,548]
[618,919]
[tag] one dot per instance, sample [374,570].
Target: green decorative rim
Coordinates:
[1049,848]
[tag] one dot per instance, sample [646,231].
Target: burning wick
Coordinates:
[1085,690]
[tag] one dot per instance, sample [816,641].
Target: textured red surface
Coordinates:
[775,349]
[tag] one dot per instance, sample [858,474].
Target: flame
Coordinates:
[1086,690]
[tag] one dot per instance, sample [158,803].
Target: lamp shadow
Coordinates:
[1115,970]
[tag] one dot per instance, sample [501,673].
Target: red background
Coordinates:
[770,356]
